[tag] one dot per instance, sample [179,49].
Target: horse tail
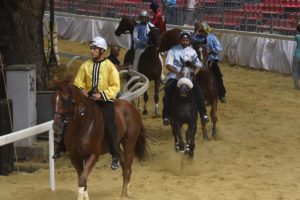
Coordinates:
[141,147]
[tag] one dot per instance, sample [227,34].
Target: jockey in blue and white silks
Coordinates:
[177,52]
[140,36]
[174,62]
[205,39]
[212,44]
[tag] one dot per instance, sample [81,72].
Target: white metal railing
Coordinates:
[28,132]
[140,86]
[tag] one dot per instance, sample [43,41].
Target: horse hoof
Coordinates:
[215,136]
[187,149]
[145,112]
[191,154]
[176,147]
[205,137]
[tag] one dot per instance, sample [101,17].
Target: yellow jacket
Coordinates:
[109,80]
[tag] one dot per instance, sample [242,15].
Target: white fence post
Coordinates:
[51,160]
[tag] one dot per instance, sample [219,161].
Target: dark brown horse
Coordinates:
[184,110]
[169,39]
[84,135]
[150,63]
[208,85]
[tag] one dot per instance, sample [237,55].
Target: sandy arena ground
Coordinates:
[256,156]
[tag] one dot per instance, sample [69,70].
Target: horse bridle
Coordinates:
[66,116]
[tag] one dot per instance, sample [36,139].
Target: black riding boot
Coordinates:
[169,88]
[56,150]
[219,80]
[201,103]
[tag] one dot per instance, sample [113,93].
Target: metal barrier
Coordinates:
[140,85]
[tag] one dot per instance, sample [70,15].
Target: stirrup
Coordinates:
[56,155]
[204,119]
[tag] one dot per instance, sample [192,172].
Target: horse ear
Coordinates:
[55,82]
[69,80]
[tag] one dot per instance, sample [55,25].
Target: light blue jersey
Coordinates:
[214,44]
[170,2]
[140,35]
[177,53]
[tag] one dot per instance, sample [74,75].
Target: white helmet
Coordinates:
[99,42]
[144,13]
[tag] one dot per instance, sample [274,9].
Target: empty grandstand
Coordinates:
[267,16]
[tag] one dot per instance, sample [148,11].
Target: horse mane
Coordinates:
[154,37]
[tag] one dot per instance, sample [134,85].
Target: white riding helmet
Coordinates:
[99,42]
[144,13]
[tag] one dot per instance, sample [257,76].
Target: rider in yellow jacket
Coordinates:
[98,79]
[108,79]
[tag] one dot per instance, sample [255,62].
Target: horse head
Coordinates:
[169,39]
[185,83]
[125,26]
[62,104]
[67,101]
[154,38]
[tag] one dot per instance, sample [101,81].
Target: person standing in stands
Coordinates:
[170,6]
[296,59]
[157,19]
[205,39]
[190,11]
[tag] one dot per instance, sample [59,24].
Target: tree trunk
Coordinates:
[21,35]
[52,58]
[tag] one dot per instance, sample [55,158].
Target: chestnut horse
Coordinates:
[84,135]
[150,63]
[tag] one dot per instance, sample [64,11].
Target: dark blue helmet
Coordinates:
[154,6]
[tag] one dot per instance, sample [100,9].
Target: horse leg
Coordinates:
[204,131]
[190,139]
[146,98]
[214,118]
[78,165]
[82,181]
[128,146]
[156,95]
[176,130]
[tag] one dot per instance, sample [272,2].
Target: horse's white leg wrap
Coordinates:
[156,108]
[80,193]
[85,195]
[162,76]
